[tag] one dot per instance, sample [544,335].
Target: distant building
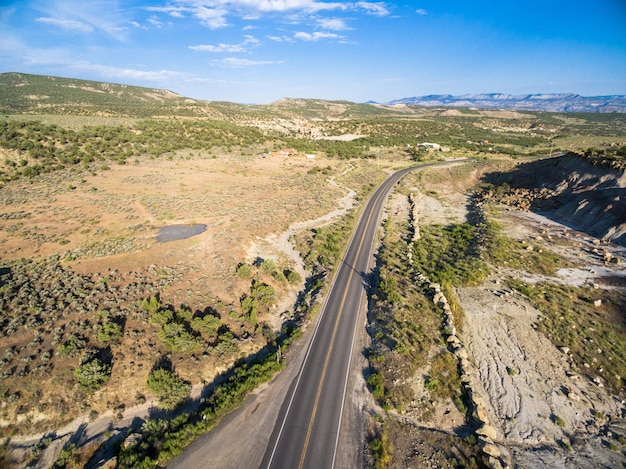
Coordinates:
[429,146]
[285,152]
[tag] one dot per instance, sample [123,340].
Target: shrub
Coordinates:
[162,317]
[244,271]
[208,326]
[109,331]
[68,458]
[152,304]
[381,450]
[268,265]
[176,338]
[294,278]
[92,374]
[168,387]
[376,382]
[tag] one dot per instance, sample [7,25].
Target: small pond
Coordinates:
[176,232]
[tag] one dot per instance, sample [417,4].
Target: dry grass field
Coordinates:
[90,241]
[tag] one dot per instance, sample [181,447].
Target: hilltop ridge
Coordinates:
[552,102]
[37,94]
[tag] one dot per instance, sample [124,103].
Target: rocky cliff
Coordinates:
[584,193]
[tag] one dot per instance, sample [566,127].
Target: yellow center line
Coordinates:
[332,343]
[319,389]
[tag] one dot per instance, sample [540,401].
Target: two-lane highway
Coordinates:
[307,429]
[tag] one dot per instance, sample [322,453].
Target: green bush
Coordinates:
[68,458]
[294,278]
[377,383]
[381,450]
[152,304]
[92,374]
[244,271]
[208,326]
[177,338]
[168,387]
[109,331]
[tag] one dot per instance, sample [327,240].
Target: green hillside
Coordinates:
[37,94]
[22,93]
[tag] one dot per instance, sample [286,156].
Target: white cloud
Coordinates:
[92,16]
[67,24]
[214,18]
[214,13]
[334,24]
[421,11]
[249,42]
[316,36]
[235,62]
[107,71]
[280,38]
[378,8]
[154,21]
[218,48]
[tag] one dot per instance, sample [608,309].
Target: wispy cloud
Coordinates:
[214,13]
[86,17]
[214,18]
[249,42]
[421,11]
[232,48]
[132,74]
[334,24]
[176,12]
[378,8]
[316,36]
[154,21]
[235,62]
[280,38]
[72,25]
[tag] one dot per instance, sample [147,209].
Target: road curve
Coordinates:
[307,429]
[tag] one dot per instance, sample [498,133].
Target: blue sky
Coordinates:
[257,51]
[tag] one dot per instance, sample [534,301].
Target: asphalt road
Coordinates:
[307,429]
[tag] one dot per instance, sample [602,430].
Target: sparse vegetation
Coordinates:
[86,301]
[381,450]
[592,334]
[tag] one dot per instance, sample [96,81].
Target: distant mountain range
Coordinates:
[560,102]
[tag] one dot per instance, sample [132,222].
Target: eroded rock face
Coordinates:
[570,189]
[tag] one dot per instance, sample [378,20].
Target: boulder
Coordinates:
[132,440]
[495,463]
[491,450]
[487,431]
[480,410]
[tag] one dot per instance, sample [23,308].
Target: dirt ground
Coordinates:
[500,335]
[104,227]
